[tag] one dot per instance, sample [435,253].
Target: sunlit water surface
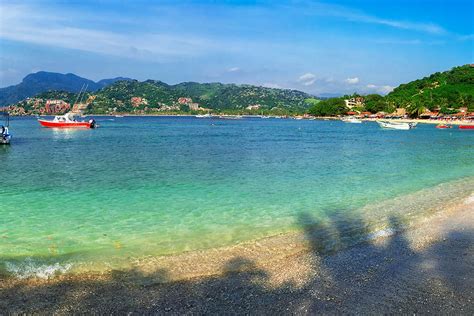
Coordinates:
[151,186]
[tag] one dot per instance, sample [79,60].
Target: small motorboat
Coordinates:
[443,126]
[5,135]
[67,120]
[352,120]
[466,126]
[396,125]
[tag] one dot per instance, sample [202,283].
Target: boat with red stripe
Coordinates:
[67,120]
[466,126]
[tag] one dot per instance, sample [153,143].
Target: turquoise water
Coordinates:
[150,186]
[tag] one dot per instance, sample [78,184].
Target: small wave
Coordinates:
[470,199]
[29,268]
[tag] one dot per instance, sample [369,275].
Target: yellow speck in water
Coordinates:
[53,249]
[117,245]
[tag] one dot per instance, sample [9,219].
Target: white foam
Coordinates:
[469,200]
[29,268]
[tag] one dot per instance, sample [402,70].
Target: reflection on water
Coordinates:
[67,133]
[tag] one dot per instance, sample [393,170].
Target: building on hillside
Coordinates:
[354,102]
[168,108]
[55,106]
[194,106]
[184,100]
[137,101]
[79,107]
[399,113]
[253,107]
[429,114]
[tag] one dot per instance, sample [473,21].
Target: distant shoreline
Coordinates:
[332,118]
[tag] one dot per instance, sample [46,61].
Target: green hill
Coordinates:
[450,89]
[158,96]
[444,91]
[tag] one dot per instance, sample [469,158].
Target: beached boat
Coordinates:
[5,135]
[443,126]
[396,125]
[67,120]
[352,120]
[466,126]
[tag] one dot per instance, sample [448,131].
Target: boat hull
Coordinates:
[466,126]
[51,124]
[5,139]
[397,126]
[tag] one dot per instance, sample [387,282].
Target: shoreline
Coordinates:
[405,271]
[331,118]
[393,214]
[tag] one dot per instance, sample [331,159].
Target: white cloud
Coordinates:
[353,15]
[352,80]
[307,79]
[233,69]
[33,25]
[383,89]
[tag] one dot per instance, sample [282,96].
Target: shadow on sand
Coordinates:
[361,278]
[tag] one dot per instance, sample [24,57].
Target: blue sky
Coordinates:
[314,46]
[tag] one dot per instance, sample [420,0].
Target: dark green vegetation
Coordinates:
[444,91]
[218,97]
[43,81]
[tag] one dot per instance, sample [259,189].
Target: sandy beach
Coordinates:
[424,269]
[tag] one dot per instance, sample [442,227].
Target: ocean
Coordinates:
[141,187]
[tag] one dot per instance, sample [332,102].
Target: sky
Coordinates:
[320,47]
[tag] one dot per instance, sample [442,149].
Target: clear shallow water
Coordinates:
[149,186]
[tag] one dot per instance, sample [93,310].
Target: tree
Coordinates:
[329,107]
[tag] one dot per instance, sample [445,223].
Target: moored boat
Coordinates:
[466,126]
[396,125]
[443,126]
[67,120]
[352,120]
[5,135]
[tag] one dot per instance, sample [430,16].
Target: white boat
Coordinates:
[396,125]
[119,116]
[231,117]
[352,120]
[208,115]
[5,135]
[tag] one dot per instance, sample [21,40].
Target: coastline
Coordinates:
[330,118]
[282,267]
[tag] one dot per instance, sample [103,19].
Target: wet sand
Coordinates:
[424,269]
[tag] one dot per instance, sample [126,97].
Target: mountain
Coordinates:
[151,95]
[123,95]
[43,81]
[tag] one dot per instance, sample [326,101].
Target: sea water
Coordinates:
[152,186]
